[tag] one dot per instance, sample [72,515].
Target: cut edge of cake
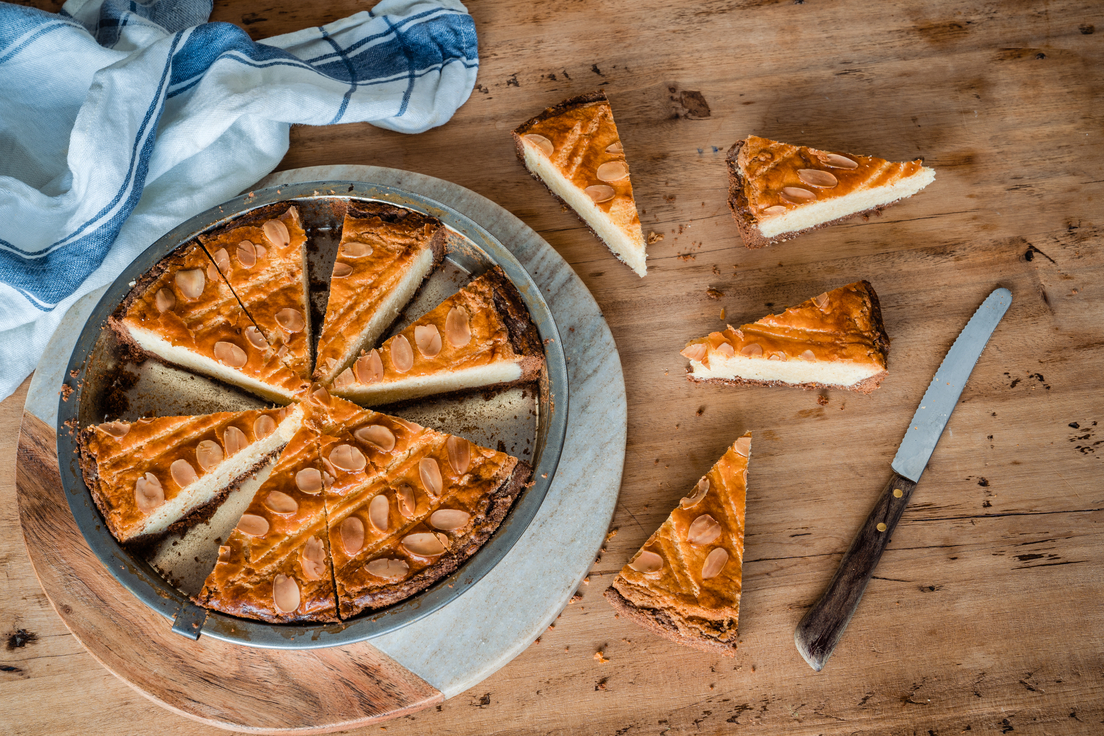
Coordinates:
[629,248]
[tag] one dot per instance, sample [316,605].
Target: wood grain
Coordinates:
[219,684]
[985,609]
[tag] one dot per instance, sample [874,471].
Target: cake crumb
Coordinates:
[654,237]
[722,314]
[600,658]
[716,270]
[714,293]
[601,684]
[575,598]
[822,400]
[701,410]
[586,580]
[613,532]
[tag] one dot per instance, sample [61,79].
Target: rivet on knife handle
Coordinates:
[819,632]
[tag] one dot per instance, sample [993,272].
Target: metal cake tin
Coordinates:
[529,424]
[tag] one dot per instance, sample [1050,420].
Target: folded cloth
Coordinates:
[119,120]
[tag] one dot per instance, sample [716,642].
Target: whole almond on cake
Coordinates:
[777,191]
[834,340]
[574,149]
[685,582]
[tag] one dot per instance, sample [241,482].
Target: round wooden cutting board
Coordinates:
[436,657]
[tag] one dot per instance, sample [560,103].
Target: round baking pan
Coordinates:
[530,424]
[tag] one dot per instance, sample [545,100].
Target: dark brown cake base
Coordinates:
[659,622]
[862,387]
[746,222]
[499,502]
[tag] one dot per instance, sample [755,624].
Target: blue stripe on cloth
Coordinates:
[410,70]
[405,21]
[352,77]
[20,45]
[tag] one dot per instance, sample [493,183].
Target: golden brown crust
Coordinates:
[358,285]
[750,192]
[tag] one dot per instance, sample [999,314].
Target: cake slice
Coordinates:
[384,255]
[777,191]
[183,313]
[477,338]
[685,582]
[407,506]
[834,340]
[574,150]
[276,566]
[156,476]
[265,263]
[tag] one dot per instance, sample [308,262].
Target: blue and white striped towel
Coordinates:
[121,119]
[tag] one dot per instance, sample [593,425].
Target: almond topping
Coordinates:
[646,562]
[209,454]
[352,535]
[182,472]
[118,430]
[212,272]
[753,348]
[253,525]
[255,338]
[327,480]
[698,494]
[222,259]
[449,519]
[615,147]
[282,352]
[726,349]
[348,458]
[742,446]
[778,209]
[541,142]
[379,513]
[780,355]
[277,233]
[261,251]
[837,161]
[430,473]
[291,319]
[797,195]
[378,436]
[369,368]
[401,354]
[321,395]
[190,283]
[808,355]
[459,453]
[263,426]
[312,558]
[344,379]
[341,270]
[388,569]
[246,253]
[695,351]
[703,530]
[817,178]
[285,591]
[309,480]
[224,553]
[821,300]
[404,494]
[148,493]
[714,563]
[279,502]
[230,354]
[428,340]
[165,300]
[423,544]
[457,327]
[356,249]
[599,193]
[613,171]
[234,439]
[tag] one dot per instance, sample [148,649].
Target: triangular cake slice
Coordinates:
[685,582]
[265,263]
[574,150]
[407,506]
[834,340]
[182,312]
[156,476]
[477,338]
[384,255]
[276,566]
[777,190]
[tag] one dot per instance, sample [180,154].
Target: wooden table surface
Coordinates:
[985,615]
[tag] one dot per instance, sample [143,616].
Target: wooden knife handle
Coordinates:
[819,632]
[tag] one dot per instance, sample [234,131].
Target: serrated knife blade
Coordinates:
[823,626]
[942,395]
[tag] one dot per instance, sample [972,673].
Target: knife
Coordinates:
[821,628]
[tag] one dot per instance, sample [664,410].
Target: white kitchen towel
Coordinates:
[121,119]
